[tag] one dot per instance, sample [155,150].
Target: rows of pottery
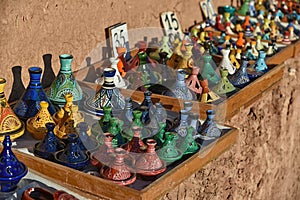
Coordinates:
[132,138]
[129,139]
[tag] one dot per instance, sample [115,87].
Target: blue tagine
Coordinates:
[29,103]
[11,169]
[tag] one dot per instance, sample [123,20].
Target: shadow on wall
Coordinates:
[18,88]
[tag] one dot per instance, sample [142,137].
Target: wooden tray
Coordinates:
[94,187]
[224,110]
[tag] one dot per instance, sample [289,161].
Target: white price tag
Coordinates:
[208,10]
[171,24]
[118,35]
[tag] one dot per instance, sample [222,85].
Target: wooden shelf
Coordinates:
[224,110]
[94,187]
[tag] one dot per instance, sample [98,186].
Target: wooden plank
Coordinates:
[97,187]
[297,49]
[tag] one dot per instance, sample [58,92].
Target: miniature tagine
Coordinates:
[107,95]
[49,145]
[72,156]
[67,118]
[29,104]
[11,169]
[169,152]
[118,172]
[105,154]
[64,83]
[9,122]
[37,125]
[224,87]
[149,164]
[209,129]
[180,89]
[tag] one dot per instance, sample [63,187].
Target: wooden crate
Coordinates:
[93,187]
[224,110]
[297,49]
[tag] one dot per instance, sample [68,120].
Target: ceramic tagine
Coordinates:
[169,152]
[150,164]
[224,87]
[193,82]
[9,122]
[259,67]
[207,95]
[209,130]
[225,62]
[11,169]
[118,172]
[107,95]
[208,71]
[105,154]
[67,118]
[135,145]
[241,78]
[49,145]
[72,156]
[37,125]
[64,83]
[118,80]
[29,104]
[180,89]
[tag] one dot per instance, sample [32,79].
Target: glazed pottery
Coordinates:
[149,164]
[169,152]
[11,169]
[29,104]
[104,155]
[37,125]
[192,81]
[180,89]
[135,145]
[241,78]
[167,73]
[118,172]
[72,156]
[127,114]
[260,65]
[107,95]
[187,61]
[244,8]
[208,71]
[233,59]
[49,145]
[104,122]
[64,83]
[34,193]
[188,144]
[118,80]
[224,86]
[86,142]
[209,127]
[225,62]
[182,129]
[116,128]
[9,122]
[207,95]
[122,64]
[67,118]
